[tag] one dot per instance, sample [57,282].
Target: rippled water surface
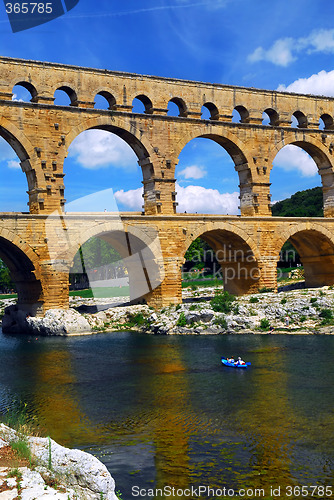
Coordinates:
[160,410]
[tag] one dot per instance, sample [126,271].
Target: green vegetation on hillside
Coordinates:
[308,203]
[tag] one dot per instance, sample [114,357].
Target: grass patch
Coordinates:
[21,447]
[100,293]
[202,283]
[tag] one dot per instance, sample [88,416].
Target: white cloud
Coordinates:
[193,199]
[321,83]
[284,50]
[193,172]
[13,164]
[190,199]
[319,41]
[292,158]
[280,53]
[131,199]
[95,149]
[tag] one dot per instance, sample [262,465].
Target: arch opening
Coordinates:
[116,263]
[326,122]
[107,158]
[104,100]
[240,115]
[18,269]
[200,265]
[210,111]
[270,117]
[296,182]
[206,179]
[13,160]
[65,96]
[24,91]
[231,260]
[315,252]
[142,104]
[177,107]
[299,120]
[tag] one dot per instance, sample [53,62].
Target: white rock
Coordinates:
[59,322]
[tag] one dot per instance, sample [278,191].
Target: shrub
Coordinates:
[182,320]
[313,300]
[136,320]
[283,301]
[193,287]
[326,315]
[252,300]
[178,307]
[193,307]
[265,290]
[222,302]
[302,319]
[221,322]
[264,324]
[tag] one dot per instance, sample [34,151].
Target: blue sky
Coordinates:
[275,45]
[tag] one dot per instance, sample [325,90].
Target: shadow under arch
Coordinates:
[140,252]
[319,152]
[237,256]
[24,270]
[315,247]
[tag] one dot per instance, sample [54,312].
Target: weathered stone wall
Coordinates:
[41,132]
[39,251]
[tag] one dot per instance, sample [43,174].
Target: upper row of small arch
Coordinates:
[177,107]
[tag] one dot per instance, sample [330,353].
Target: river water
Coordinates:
[162,410]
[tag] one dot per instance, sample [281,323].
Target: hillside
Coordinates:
[306,203]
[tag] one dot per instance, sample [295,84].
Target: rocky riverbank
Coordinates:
[52,471]
[292,311]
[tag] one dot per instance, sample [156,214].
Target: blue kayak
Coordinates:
[234,365]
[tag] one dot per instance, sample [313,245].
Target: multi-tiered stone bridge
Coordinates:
[39,246]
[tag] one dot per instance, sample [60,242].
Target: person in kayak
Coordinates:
[240,361]
[231,360]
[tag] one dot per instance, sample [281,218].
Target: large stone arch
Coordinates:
[139,248]
[126,129]
[320,152]
[315,245]
[238,152]
[25,271]
[237,254]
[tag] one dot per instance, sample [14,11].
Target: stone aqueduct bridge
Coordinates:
[41,133]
